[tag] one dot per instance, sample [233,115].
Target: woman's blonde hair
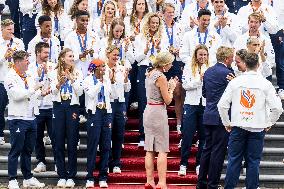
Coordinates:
[195,63]
[61,62]
[163,59]
[104,9]
[146,27]
[116,21]
[111,48]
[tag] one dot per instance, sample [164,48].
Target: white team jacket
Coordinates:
[254,102]
[22,101]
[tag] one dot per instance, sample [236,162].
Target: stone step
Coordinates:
[271,138]
[50,178]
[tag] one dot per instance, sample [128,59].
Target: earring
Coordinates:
[164,70]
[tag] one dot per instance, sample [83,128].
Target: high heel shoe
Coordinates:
[148,186]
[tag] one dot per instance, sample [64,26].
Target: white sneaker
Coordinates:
[103,184]
[196,144]
[179,129]
[33,183]
[13,184]
[116,170]
[141,143]
[89,184]
[179,144]
[281,93]
[83,119]
[197,170]
[40,168]
[78,145]
[2,141]
[70,183]
[61,183]
[46,140]
[134,106]
[182,170]
[244,171]
[122,146]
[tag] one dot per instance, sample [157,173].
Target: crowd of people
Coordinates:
[72,62]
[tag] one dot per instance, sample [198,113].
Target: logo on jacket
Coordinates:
[247,99]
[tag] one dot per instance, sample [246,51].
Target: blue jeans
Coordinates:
[43,119]
[65,123]
[22,140]
[279,57]
[99,133]
[118,129]
[192,122]
[142,99]
[249,145]
[3,104]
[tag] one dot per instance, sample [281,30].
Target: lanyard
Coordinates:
[219,27]
[82,46]
[99,7]
[118,44]
[56,25]
[153,46]
[23,77]
[42,74]
[10,46]
[205,37]
[197,6]
[66,86]
[101,95]
[137,26]
[271,3]
[170,36]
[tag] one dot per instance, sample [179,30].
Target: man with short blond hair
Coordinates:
[216,137]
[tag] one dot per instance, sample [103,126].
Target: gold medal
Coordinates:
[152,58]
[83,59]
[101,105]
[65,96]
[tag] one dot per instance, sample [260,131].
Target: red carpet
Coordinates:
[133,168]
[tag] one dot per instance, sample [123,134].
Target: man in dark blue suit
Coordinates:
[216,136]
[235,5]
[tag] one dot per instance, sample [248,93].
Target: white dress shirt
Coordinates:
[46,101]
[72,41]
[230,32]
[17,44]
[266,67]
[54,46]
[191,40]
[270,26]
[140,45]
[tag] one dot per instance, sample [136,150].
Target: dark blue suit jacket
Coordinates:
[235,5]
[214,85]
